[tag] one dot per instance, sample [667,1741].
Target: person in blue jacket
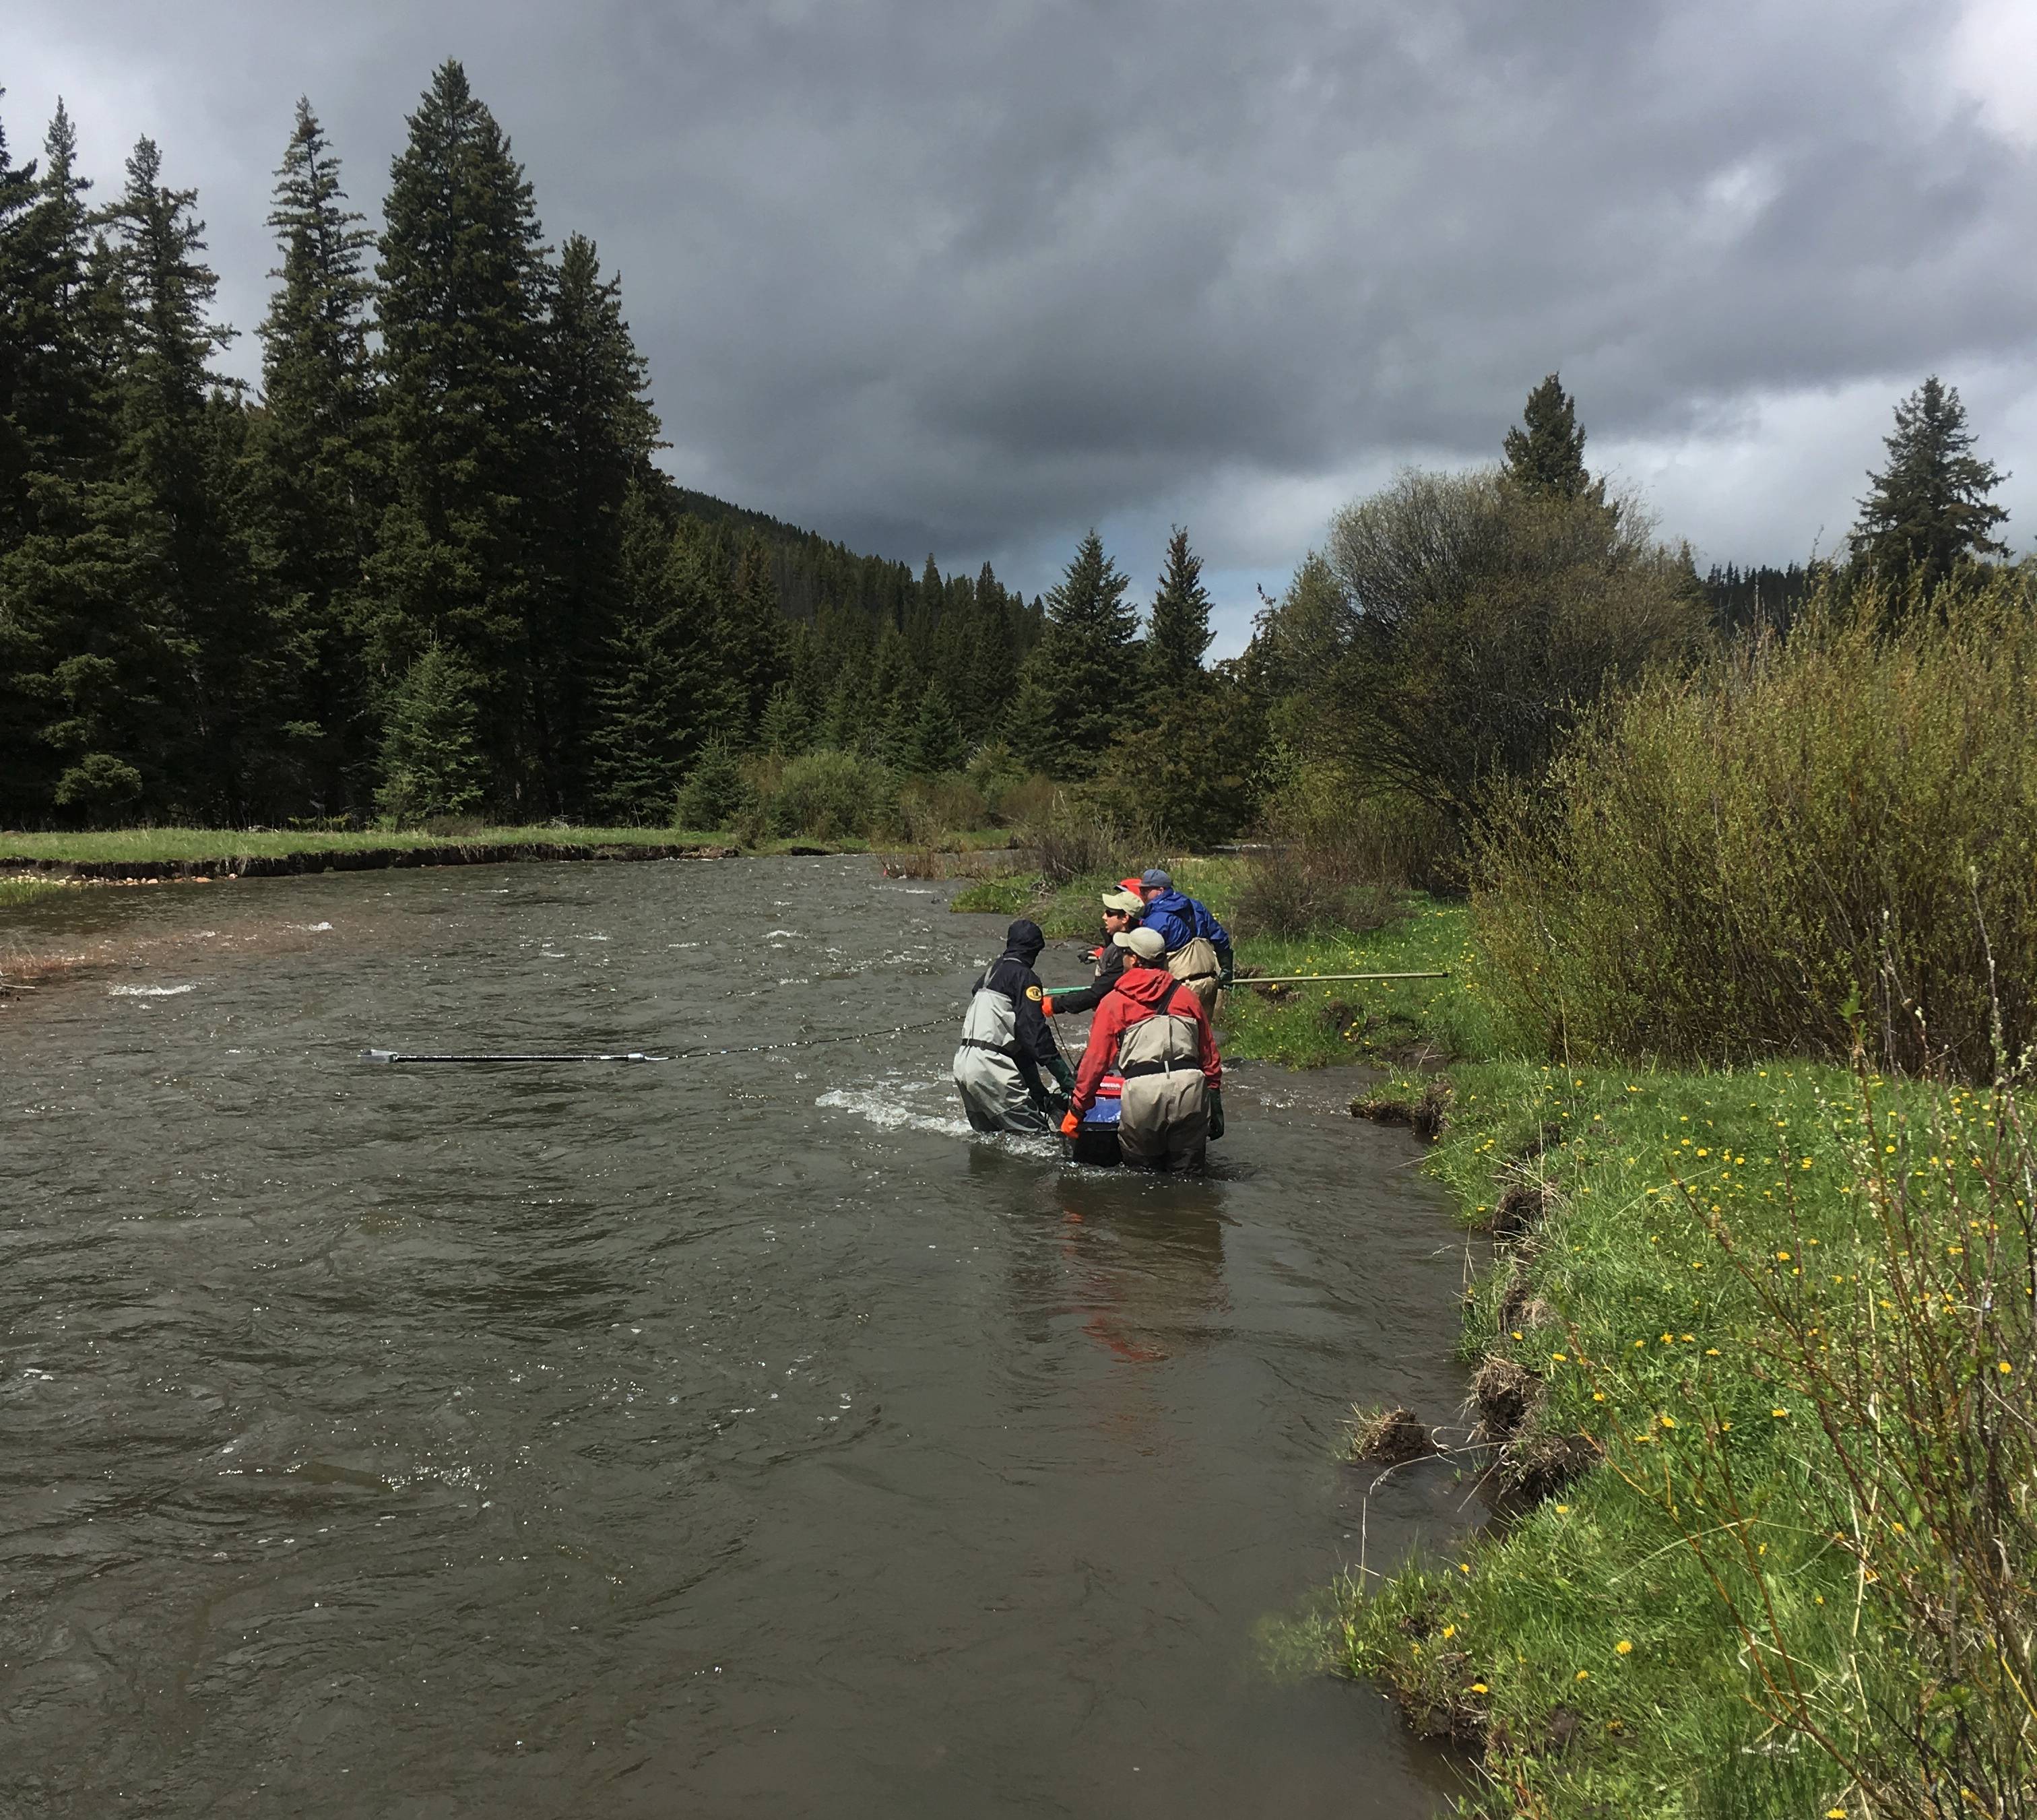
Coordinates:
[1178,920]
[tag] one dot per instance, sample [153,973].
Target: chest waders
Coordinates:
[986,1068]
[1163,1116]
[1194,964]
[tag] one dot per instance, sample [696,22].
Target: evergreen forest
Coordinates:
[429,567]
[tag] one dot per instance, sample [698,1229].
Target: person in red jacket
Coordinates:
[1152,1029]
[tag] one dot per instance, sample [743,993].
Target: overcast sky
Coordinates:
[970,277]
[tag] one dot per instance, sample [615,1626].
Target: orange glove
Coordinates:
[1071,1123]
[1046,1006]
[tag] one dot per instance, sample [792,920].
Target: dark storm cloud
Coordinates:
[972,277]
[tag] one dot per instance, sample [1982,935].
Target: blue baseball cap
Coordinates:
[1153,877]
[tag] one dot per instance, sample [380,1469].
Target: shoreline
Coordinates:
[305,861]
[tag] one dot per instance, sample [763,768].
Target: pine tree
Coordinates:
[1082,676]
[755,647]
[785,731]
[1928,510]
[601,433]
[37,252]
[1545,456]
[1179,631]
[21,271]
[855,716]
[894,698]
[314,477]
[203,659]
[716,794]
[923,616]
[1192,767]
[663,690]
[935,741]
[431,761]
[461,310]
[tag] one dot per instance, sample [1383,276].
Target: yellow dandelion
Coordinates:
[1623,1647]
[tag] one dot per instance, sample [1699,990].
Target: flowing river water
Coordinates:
[733,1436]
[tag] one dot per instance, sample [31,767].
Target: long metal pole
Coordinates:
[1244,979]
[1303,979]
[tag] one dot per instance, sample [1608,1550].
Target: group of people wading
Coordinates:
[1152,1050]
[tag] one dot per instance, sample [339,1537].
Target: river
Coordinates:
[733,1436]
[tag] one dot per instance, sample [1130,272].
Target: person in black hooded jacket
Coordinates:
[1006,1045]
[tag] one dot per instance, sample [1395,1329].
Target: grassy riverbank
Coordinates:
[231,848]
[1689,1587]
[129,846]
[1705,1594]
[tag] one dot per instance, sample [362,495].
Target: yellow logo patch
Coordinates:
[1033,992]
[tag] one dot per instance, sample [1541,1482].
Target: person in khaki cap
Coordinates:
[1122,910]
[1151,1029]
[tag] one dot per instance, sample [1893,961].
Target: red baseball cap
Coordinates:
[1132,886]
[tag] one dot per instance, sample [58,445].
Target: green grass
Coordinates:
[1627,1309]
[30,888]
[1363,1020]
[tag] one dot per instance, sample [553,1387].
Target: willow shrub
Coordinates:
[1726,865]
[829,795]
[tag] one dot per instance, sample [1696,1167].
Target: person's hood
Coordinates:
[1151,986]
[1024,941]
